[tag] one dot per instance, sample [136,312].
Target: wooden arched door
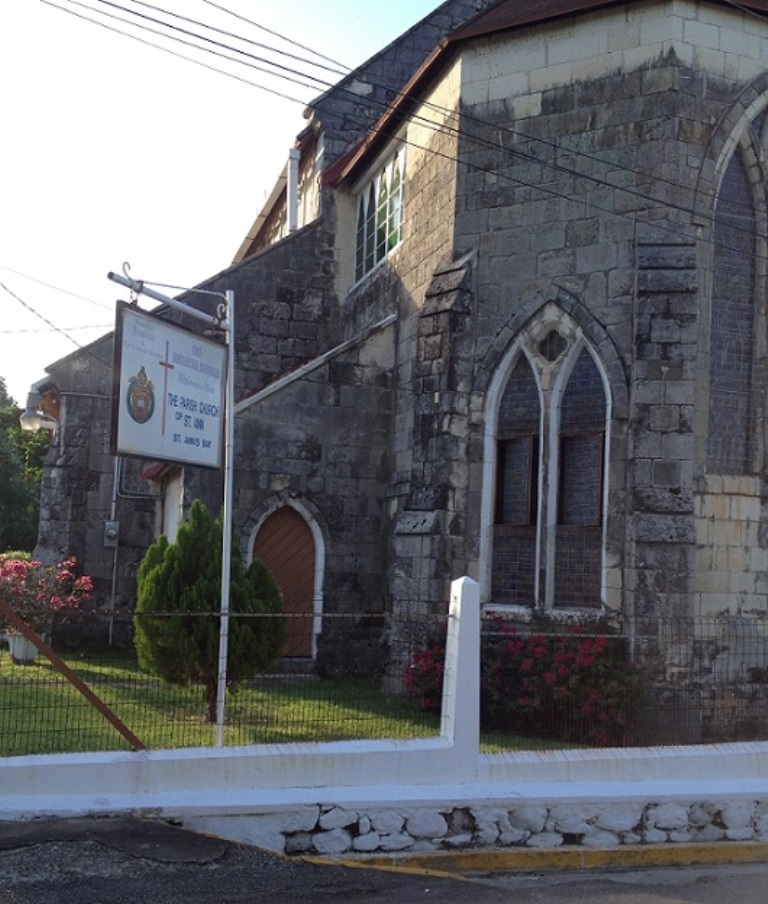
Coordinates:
[285,545]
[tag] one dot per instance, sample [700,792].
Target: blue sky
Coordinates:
[115,151]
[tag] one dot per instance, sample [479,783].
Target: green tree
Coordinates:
[184,578]
[21,470]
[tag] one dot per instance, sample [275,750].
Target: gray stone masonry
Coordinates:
[664,387]
[339,831]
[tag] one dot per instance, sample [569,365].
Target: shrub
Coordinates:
[424,676]
[573,682]
[179,595]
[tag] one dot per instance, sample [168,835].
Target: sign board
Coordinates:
[168,397]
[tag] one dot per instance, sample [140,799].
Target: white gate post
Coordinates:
[460,721]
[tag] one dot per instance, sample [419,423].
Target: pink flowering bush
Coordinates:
[424,676]
[38,592]
[574,683]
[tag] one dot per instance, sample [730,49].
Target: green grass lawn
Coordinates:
[40,712]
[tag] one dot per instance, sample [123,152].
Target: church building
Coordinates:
[503,315]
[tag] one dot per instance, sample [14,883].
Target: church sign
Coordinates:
[168,396]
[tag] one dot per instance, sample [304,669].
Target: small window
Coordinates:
[379,217]
[582,438]
[517,482]
[581,479]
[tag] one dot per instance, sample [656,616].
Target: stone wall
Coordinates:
[327,830]
[323,443]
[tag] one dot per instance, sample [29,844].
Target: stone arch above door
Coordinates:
[289,543]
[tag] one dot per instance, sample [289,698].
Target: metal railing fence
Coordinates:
[626,681]
[352,689]
[544,684]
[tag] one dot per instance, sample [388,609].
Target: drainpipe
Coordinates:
[292,189]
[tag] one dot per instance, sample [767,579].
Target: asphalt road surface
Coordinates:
[111,861]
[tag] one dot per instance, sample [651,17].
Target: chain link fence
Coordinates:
[544,684]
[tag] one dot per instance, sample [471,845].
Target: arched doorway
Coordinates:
[285,545]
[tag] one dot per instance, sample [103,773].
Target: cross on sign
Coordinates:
[166,365]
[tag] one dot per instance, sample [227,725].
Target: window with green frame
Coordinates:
[379,216]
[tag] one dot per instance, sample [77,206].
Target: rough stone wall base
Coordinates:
[336,831]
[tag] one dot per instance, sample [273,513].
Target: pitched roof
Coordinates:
[504,16]
[516,13]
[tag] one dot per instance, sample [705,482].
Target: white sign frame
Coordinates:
[168,398]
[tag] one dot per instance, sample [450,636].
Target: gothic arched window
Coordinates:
[731,433]
[550,466]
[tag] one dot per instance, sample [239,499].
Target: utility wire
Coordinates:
[40,282]
[335,70]
[457,131]
[282,70]
[37,314]
[216,44]
[477,120]
[172,53]
[443,127]
[53,329]
[645,197]
[276,34]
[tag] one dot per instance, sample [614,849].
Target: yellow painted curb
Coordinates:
[521,860]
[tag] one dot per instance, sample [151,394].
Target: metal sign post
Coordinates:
[225,321]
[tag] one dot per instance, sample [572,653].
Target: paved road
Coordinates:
[111,861]
[724,884]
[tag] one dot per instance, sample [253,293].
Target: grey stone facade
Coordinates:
[561,196]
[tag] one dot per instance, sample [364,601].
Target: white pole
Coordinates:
[226,519]
[228,324]
[113,517]
[292,189]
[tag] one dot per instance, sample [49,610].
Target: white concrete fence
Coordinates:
[422,795]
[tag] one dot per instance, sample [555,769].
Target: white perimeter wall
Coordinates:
[262,794]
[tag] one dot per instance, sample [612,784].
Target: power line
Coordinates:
[40,316]
[41,282]
[52,329]
[528,156]
[172,53]
[457,130]
[276,34]
[555,166]
[216,44]
[335,70]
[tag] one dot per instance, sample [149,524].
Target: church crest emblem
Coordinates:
[140,398]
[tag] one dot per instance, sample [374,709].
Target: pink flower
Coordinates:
[36,591]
